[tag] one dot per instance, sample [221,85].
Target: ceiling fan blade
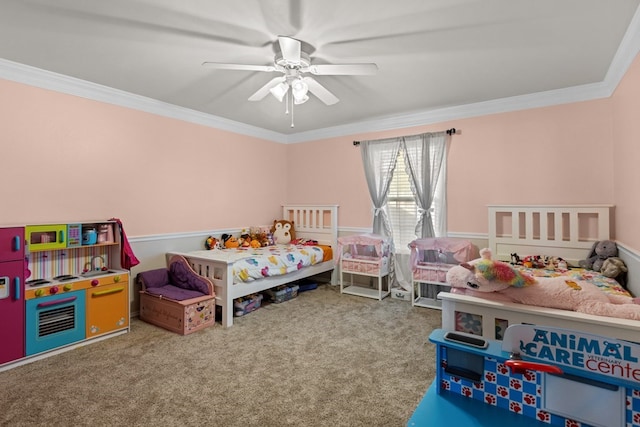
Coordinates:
[245,67]
[290,49]
[343,69]
[264,90]
[320,91]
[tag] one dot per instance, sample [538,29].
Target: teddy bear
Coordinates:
[600,251]
[499,281]
[283,231]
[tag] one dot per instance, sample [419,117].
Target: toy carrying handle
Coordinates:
[520,366]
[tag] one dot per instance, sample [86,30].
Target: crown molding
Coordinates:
[626,53]
[37,77]
[422,118]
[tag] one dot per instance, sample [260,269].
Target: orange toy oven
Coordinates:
[107,306]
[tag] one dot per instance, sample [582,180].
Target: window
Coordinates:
[403,210]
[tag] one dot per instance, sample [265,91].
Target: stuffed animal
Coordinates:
[499,281]
[600,251]
[244,240]
[283,231]
[229,241]
[211,243]
[615,268]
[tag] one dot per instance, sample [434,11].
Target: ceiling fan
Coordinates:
[294,62]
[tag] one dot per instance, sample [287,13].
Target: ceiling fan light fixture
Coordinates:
[300,100]
[280,90]
[299,88]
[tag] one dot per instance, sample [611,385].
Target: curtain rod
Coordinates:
[452,131]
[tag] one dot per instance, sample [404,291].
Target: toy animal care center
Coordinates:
[536,376]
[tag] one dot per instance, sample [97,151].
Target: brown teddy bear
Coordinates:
[283,231]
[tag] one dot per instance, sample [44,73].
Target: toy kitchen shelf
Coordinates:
[365,255]
[72,285]
[44,237]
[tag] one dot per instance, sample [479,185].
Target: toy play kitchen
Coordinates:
[537,376]
[64,285]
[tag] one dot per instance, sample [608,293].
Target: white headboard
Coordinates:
[567,231]
[316,222]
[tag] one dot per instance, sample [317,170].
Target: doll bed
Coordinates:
[561,231]
[365,255]
[317,223]
[431,258]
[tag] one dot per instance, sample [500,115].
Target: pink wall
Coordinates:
[534,156]
[626,157]
[579,153]
[66,158]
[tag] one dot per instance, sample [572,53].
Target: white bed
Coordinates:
[565,231]
[313,222]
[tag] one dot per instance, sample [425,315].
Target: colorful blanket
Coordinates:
[256,263]
[607,284]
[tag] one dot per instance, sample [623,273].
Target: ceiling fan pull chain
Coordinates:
[292,103]
[286,103]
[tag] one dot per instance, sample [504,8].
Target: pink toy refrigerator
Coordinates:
[12,271]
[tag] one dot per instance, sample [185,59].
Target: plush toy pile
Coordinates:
[498,281]
[603,258]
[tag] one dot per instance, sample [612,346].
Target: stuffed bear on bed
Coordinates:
[499,281]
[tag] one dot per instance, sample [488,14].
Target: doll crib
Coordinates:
[431,258]
[365,255]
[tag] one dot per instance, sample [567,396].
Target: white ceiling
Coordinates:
[433,55]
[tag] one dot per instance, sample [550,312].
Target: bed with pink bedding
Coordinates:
[566,232]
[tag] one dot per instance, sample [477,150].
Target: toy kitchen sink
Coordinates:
[537,376]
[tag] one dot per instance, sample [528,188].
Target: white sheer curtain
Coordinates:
[424,157]
[379,158]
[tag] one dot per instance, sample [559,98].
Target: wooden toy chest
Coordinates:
[182,317]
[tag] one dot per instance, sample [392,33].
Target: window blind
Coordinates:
[402,208]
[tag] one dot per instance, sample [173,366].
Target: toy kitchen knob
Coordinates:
[53,290]
[95,282]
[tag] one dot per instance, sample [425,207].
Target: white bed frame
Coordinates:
[316,222]
[565,231]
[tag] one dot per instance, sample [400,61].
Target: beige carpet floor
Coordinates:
[321,359]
